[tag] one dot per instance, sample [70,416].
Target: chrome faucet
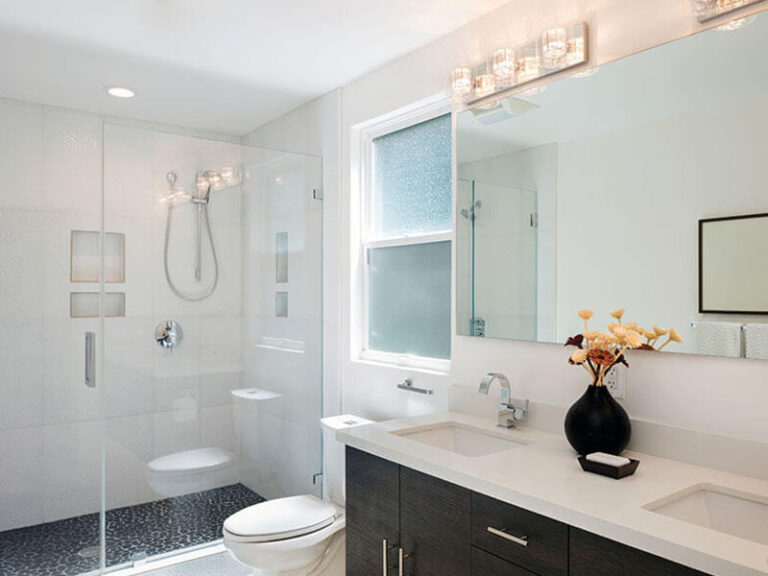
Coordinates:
[510,410]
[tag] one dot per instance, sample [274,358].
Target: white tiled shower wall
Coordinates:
[154,402]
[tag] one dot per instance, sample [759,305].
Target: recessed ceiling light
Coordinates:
[120,92]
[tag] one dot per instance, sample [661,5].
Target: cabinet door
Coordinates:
[373,513]
[434,526]
[592,555]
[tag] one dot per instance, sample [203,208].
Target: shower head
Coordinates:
[208,180]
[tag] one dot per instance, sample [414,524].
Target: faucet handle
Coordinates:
[519,408]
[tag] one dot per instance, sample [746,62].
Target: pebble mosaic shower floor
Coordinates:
[70,547]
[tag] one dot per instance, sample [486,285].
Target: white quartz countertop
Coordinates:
[544,476]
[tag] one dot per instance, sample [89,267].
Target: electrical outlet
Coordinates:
[616,382]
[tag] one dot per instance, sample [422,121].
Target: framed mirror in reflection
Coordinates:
[590,193]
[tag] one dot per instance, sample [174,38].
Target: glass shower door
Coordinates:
[212,370]
[50,285]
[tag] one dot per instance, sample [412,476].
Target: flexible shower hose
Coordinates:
[181,294]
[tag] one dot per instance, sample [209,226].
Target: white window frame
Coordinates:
[420,112]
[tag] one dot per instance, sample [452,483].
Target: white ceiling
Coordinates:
[696,74]
[219,65]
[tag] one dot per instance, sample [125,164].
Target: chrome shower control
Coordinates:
[169,334]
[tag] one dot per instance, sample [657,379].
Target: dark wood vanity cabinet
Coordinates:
[592,555]
[391,508]
[373,512]
[445,530]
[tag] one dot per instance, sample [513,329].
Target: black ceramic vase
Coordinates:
[597,423]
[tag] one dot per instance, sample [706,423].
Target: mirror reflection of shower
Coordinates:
[206,181]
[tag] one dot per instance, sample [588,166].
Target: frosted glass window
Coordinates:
[412,180]
[410,299]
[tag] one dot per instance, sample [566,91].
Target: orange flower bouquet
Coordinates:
[598,352]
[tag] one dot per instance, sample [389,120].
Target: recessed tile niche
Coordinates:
[86,304]
[84,267]
[85,256]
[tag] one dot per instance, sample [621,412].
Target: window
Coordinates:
[407,242]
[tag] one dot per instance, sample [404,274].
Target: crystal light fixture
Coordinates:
[461,81]
[485,84]
[504,64]
[553,50]
[575,52]
[554,45]
[709,9]
[528,64]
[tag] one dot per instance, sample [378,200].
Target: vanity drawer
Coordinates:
[593,555]
[484,564]
[531,541]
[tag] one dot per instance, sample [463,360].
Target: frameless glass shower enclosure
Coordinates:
[160,311]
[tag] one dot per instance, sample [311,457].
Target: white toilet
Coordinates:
[297,535]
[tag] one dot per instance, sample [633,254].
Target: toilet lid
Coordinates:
[280,519]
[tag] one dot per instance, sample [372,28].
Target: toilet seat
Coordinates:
[280,519]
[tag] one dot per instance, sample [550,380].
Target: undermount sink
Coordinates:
[718,508]
[460,438]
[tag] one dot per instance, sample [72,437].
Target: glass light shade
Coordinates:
[575,54]
[461,81]
[728,5]
[485,84]
[528,66]
[504,63]
[554,46]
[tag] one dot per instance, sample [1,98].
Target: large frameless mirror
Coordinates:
[588,192]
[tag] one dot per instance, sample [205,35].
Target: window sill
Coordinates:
[435,366]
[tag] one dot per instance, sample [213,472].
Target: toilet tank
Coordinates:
[333,455]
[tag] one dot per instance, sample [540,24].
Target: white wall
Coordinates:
[678,391]
[688,392]
[656,212]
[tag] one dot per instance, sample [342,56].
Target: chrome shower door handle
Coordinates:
[90,359]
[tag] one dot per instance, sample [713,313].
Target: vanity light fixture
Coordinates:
[120,92]
[554,46]
[462,81]
[504,64]
[528,64]
[707,10]
[485,84]
[554,50]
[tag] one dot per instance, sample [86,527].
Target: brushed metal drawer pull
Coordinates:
[522,540]
[384,563]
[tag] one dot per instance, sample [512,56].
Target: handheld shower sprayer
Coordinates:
[200,201]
